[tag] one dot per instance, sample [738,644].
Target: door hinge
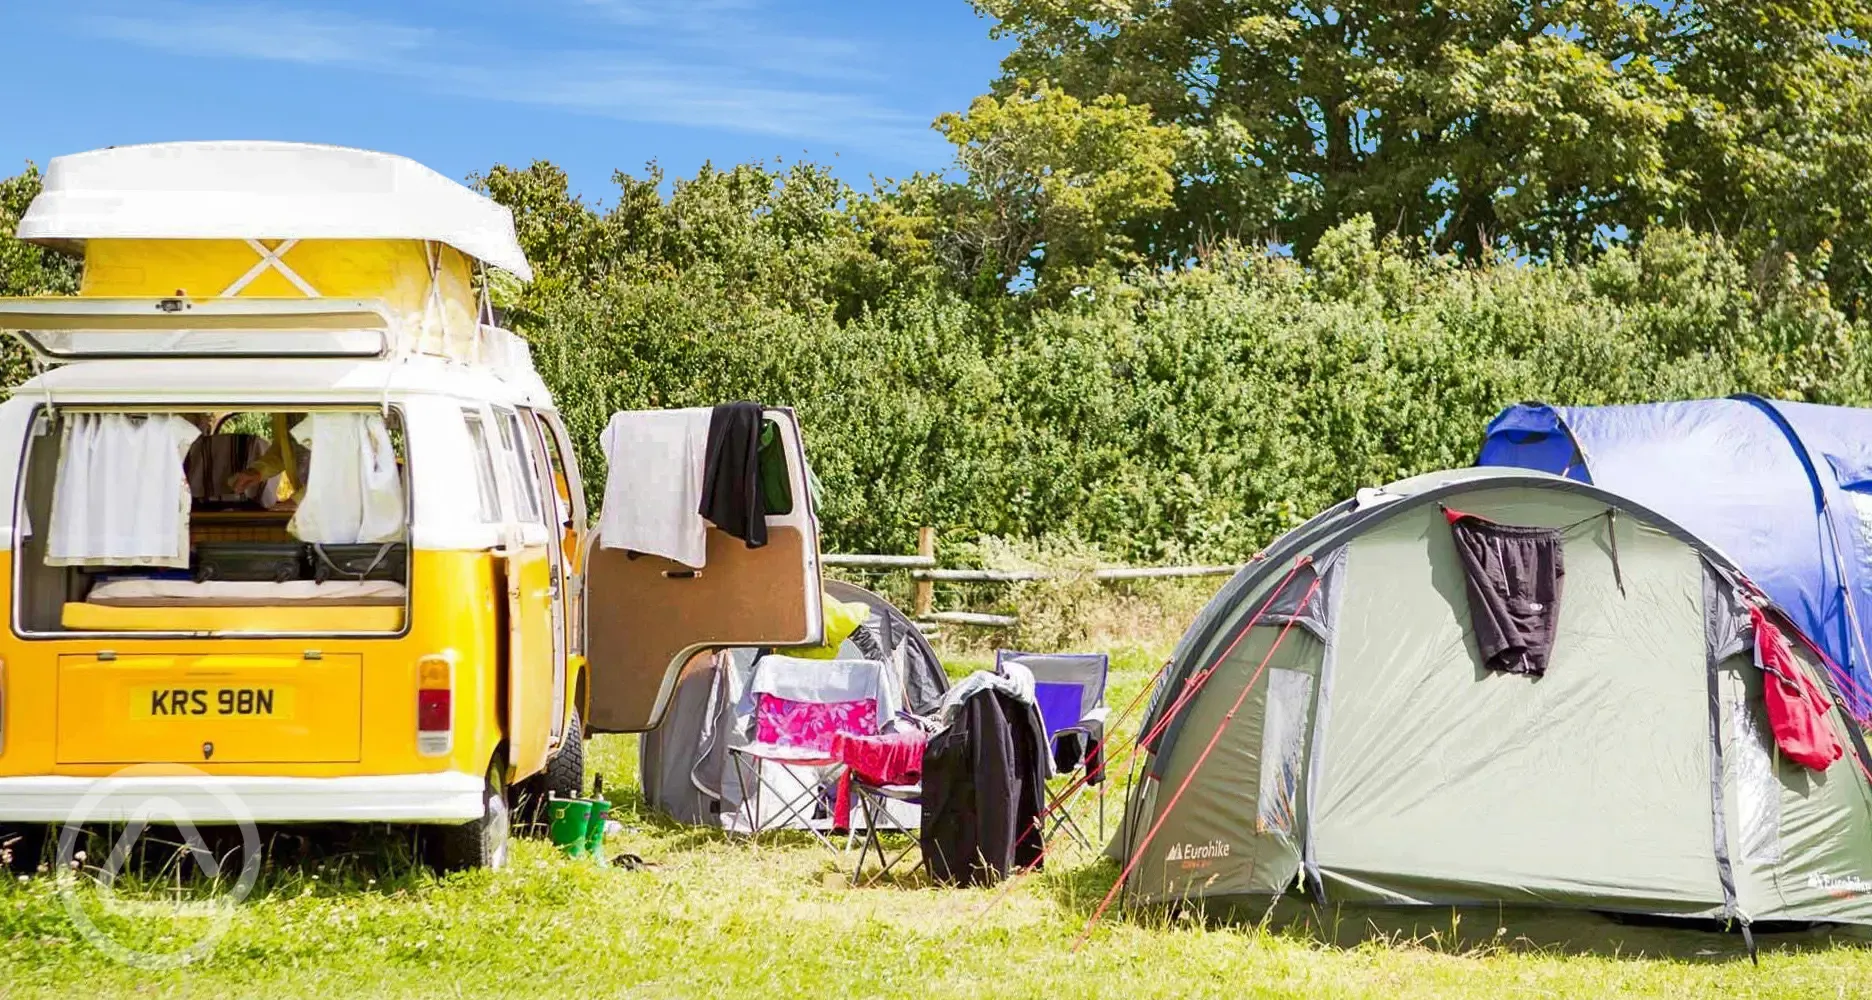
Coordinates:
[106,655]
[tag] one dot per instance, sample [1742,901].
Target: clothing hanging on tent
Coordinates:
[657,515]
[353,493]
[731,475]
[1512,575]
[1797,709]
[120,497]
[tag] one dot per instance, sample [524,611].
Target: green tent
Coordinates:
[1371,757]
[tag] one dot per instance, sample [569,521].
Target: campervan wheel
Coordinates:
[478,843]
[565,772]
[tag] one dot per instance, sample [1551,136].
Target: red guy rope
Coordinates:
[1201,758]
[1190,688]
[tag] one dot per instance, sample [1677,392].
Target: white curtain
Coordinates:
[353,492]
[121,497]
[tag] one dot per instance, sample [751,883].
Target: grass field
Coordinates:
[718,917]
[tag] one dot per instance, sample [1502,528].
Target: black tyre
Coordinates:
[23,845]
[563,777]
[565,772]
[478,843]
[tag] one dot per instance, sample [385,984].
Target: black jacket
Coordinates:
[731,473]
[984,789]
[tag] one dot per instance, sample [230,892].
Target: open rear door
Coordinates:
[645,615]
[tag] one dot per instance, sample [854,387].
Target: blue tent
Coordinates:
[1784,489]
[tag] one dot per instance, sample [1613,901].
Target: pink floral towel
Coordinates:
[811,723]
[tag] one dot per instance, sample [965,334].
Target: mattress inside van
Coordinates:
[157,593]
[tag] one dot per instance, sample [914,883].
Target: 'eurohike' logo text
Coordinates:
[1198,852]
[1839,885]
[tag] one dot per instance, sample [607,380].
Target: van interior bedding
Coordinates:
[245,568]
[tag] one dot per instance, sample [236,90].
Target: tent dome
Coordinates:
[1338,723]
[1784,489]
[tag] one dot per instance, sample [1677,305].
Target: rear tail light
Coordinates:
[435,704]
[3,700]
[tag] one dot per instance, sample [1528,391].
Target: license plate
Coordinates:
[271,702]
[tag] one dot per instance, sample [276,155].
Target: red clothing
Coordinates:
[891,759]
[1797,708]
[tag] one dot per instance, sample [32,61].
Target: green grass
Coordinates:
[720,917]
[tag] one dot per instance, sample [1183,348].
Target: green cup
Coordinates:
[570,819]
[595,830]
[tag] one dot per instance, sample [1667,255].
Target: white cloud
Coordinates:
[264,31]
[703,63]
[732,35]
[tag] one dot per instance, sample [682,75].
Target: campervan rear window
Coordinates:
[485,488]
[520,466]
[216,521]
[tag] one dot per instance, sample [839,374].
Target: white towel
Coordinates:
[653,484]
[121,497]
[819,681]
[353,492]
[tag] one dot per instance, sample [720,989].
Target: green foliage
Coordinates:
[1509,125]
[792,237]
[1185,414]
[1160,415]
[26,269]
[1050,181]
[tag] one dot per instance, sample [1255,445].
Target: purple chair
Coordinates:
[1070,691]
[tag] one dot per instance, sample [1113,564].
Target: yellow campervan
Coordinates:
[293,530]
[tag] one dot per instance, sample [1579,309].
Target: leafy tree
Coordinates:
[1547,126]
[1050,181]
[792,235]
[26,269]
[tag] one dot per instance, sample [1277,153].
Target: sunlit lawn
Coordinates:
[713,916]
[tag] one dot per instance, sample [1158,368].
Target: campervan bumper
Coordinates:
[447,797]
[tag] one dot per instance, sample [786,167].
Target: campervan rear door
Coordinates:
[645,615]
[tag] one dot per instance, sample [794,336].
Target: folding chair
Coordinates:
[874,801]
[798,705]
[1070,691]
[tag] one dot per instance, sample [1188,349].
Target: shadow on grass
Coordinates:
[1461,930]
[337,857]
[1482,930]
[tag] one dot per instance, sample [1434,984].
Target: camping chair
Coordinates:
[874,799]
[1069,689]
[798,705]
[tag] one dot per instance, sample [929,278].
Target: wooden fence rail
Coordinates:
[863,561]
[925,571]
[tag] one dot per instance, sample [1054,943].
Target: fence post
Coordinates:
[926,589]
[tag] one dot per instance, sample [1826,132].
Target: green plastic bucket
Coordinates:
[595,828]
[570,820]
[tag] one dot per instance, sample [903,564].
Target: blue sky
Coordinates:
[593,85]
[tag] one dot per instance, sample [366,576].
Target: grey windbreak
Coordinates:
[1375,757]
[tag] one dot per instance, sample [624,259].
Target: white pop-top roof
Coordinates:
[265,190]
